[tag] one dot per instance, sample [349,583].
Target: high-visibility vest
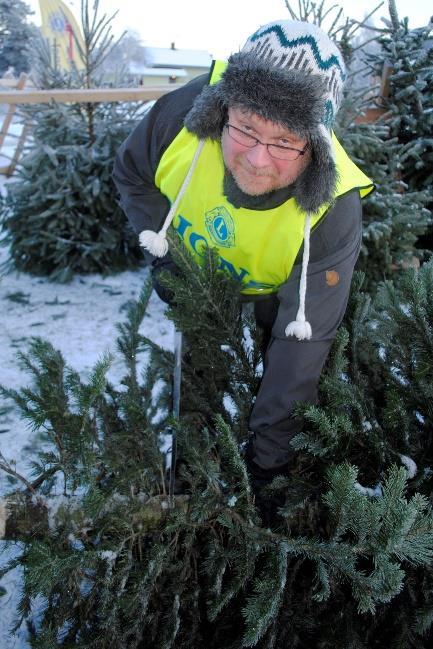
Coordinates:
[257,247]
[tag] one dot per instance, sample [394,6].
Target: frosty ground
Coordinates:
[79,319]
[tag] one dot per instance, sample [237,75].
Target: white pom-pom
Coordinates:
[302,330]
[154,242]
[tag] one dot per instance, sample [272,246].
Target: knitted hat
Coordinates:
[289,72]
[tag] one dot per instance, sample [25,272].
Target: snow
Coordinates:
[53,506]
[375,492]
[79,319]
[410,466]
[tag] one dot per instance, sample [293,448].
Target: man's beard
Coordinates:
[238,198]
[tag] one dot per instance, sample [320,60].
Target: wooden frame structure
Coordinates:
[19,91]
[17,86]
[14,92]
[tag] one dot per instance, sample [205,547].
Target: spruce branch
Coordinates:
[392,7]
[8,468]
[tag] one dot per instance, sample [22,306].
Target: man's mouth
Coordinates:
[255,174]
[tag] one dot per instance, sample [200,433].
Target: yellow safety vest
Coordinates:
[257,247]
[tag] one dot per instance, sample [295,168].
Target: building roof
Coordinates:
[167,57]
[143,70]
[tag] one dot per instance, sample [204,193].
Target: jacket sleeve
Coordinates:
[134,176]
[293,367]
[138,158]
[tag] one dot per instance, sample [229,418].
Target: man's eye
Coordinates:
[285,143]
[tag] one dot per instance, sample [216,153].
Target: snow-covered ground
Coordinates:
[80,320]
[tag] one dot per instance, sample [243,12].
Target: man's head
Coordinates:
[287,81]
[261,155]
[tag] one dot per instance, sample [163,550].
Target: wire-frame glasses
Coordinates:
[278,151]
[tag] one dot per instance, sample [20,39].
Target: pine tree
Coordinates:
[409,54]
[375,408]
[61,216]
[118,567]
[395,216]
[16,35]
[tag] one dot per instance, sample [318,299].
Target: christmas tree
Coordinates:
[408,53]
[120,564]
[60,215]
[345,559]
[15,36]
[396,215]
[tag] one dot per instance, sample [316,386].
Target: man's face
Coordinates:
[255,171]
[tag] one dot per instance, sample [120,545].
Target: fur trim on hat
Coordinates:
[316,185]
[289,97]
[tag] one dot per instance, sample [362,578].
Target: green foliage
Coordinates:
[222,346]
[395,151]
[409,53]
[16,36]
[118,564]
[348,561]
[60,216]
[405,332]
[395,216]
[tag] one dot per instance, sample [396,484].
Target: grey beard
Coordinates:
[239,198]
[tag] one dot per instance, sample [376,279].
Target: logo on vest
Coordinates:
[220,225]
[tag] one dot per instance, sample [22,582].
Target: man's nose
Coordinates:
[259,156]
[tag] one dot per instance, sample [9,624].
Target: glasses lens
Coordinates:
[240,137]
[282,153]
[276,151]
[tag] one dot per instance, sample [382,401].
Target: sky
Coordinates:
[219,27]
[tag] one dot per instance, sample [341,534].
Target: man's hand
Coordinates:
[164,265]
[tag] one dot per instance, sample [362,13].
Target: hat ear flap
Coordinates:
[316,185]
[207,115]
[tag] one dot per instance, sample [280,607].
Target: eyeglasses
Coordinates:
[275,150]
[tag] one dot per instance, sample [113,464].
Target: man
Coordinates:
[244,160]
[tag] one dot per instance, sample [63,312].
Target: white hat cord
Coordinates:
[156,242]
[300,327]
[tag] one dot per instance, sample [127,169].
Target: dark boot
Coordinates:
[266,502]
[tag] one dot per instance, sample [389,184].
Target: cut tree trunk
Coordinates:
[24,517]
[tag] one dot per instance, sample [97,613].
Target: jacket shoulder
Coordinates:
[341,225]
[168,113]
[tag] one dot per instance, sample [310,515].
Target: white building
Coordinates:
[169,65]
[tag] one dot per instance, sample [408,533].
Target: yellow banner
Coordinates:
[63,33]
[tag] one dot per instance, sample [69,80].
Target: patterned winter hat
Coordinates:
[294,45]
[289,72]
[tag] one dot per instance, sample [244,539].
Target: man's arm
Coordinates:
[138,158]
[293,367]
